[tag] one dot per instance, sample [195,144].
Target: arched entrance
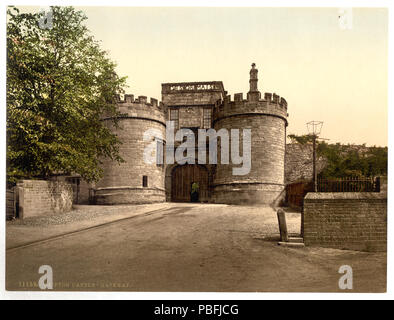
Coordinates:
[189,182]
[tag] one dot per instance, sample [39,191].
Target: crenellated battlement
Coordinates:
[268,97]
[129,99]
[272,104]
[131,107]
[274,98]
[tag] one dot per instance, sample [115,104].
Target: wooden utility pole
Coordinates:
[314,165]
[314,128]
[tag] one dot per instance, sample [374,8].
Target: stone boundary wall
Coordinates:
[346,220]
[42,198]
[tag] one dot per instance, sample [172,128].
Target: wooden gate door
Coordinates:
[182,180]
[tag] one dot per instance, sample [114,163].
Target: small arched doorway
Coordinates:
[189,182]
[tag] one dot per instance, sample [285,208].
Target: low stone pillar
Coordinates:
[284,237]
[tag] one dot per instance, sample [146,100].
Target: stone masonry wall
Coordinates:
[265,180]
[267,150]
[299,163]
[192,94]
[123,183]
[41,198]
[191,117]
[191,98]
[354,221]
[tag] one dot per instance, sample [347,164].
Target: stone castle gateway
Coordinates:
[198,105]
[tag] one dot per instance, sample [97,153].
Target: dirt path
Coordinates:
[188,247]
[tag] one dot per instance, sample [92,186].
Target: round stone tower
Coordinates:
[136,180]
[267,119]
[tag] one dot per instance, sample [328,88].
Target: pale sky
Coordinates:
[323,71]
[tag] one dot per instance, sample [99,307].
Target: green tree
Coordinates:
[303,139]
[348,160]
[353,161]
[60,84]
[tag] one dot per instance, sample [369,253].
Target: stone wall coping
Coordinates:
[127,188]
[345,196]
[43,182]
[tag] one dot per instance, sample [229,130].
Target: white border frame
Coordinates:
[49,295]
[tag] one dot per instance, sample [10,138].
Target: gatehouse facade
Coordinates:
[194,106]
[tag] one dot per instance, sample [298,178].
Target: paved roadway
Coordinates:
[190,247]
